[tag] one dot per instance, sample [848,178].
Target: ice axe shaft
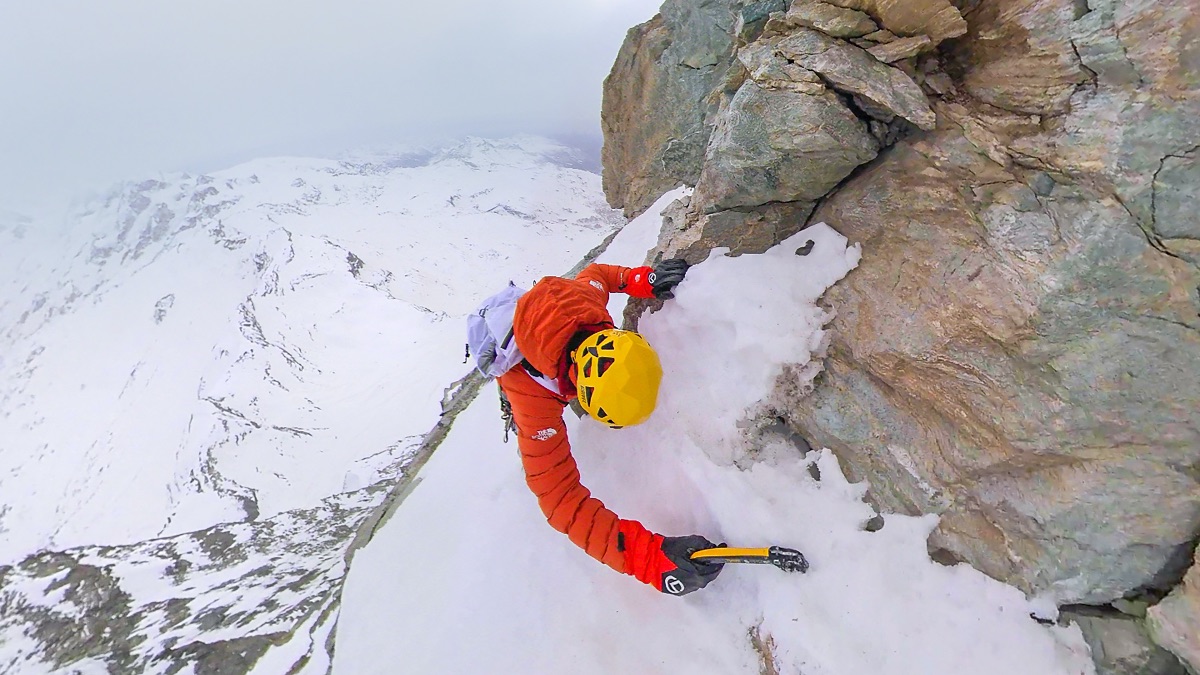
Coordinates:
[786,559]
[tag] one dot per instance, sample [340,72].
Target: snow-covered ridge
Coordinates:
[194,350]
[217,600]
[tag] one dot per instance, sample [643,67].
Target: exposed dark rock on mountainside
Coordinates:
[1019,349]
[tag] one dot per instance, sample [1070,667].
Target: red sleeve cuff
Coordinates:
[637,282]
[644,558]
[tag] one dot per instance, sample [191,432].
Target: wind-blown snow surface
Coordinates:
[468,577]
[198,350]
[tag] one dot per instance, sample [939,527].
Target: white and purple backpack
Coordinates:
[490,333]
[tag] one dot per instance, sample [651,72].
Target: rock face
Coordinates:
[1019,349]
[1121,646]
[655,116]
[831,19]
[1175,622]
[936,18]
[775,145]
[852,70]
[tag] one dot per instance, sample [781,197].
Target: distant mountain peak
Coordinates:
[520,151]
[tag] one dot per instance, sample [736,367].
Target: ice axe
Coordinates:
[786,559]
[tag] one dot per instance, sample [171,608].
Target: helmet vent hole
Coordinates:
[587,395]
[601,414]
[587,368]
[605,363]
[608,346]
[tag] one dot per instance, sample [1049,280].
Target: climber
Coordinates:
[571,348]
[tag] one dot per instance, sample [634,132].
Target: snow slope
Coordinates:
[197,350]
[467,576]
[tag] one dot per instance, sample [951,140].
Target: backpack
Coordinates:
[490,333]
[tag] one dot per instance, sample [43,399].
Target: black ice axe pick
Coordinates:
[786,559]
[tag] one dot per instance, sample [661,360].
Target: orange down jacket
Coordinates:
[546,319]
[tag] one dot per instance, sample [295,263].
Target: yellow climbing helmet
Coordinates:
[617,376]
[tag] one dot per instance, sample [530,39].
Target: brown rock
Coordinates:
[1019,56]
[902,48]
[830,19]
[852,70]
[880,36]
[936,18]
[1174,623]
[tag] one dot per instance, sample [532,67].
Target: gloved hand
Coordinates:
[689,575]
[664,562]
[658,281]
[666,276]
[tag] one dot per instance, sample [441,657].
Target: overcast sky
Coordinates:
[95,91]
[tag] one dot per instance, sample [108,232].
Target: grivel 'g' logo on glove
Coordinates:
[666,276]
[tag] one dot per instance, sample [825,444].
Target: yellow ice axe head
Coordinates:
[786,559]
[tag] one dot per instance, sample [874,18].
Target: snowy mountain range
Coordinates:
[227,347]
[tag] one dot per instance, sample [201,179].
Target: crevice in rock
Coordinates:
[1125,53]
[1135,602]
[1093,76]
[1171,574]
[1148,230]
[858,171]
[944,556]
[1031,161]
[1099,611]
[1149,317]
[1154,184]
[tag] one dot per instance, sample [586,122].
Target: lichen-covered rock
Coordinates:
[1018,56]
[769,71]
[1121,646]
[936,18]
[755,15]
[780,146]
[853,70]
[1175,622]
[1175,204]
[831,19]
[1000,358]
[657,101]
[902,48]
[688,234]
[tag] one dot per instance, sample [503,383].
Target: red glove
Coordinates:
[656,282]
[638,282]
[665,562]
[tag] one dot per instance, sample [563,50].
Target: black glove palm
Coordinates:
[666,276]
